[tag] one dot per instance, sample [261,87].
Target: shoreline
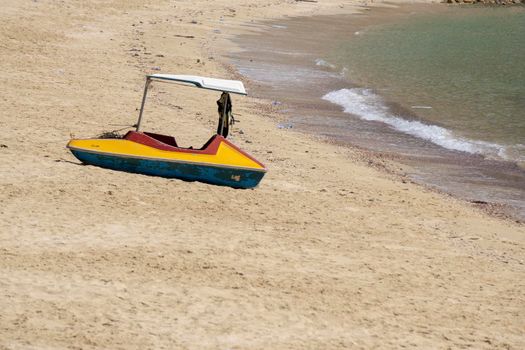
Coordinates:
[328,252]
[298,109]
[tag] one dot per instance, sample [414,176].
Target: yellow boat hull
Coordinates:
[220,163]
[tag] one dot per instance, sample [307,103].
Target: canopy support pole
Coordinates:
[148,81]
[223,117]
[224,120]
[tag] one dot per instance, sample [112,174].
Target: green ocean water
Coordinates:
[462,70]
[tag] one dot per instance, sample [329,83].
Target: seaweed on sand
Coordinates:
[115,134]
[110,135]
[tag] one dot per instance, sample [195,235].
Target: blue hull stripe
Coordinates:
[237,178]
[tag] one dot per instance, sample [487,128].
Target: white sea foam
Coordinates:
[368,106]
[323,63]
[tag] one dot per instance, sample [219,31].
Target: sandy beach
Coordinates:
[333,250]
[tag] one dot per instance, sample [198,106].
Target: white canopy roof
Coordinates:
[233,86]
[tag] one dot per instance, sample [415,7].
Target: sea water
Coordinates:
[439,89]
[458,74]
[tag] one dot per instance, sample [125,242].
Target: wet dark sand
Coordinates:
[282,62]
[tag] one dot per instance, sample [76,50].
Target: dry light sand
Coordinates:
[328,252]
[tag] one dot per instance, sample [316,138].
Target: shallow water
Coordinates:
[461,70]
[299,64]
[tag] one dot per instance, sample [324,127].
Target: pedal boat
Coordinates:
[218,162]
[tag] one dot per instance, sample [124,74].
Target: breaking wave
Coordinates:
[322,63]
[369,106]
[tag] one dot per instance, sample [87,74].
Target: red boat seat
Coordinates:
[169,140]
[209,142]
[168,143]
